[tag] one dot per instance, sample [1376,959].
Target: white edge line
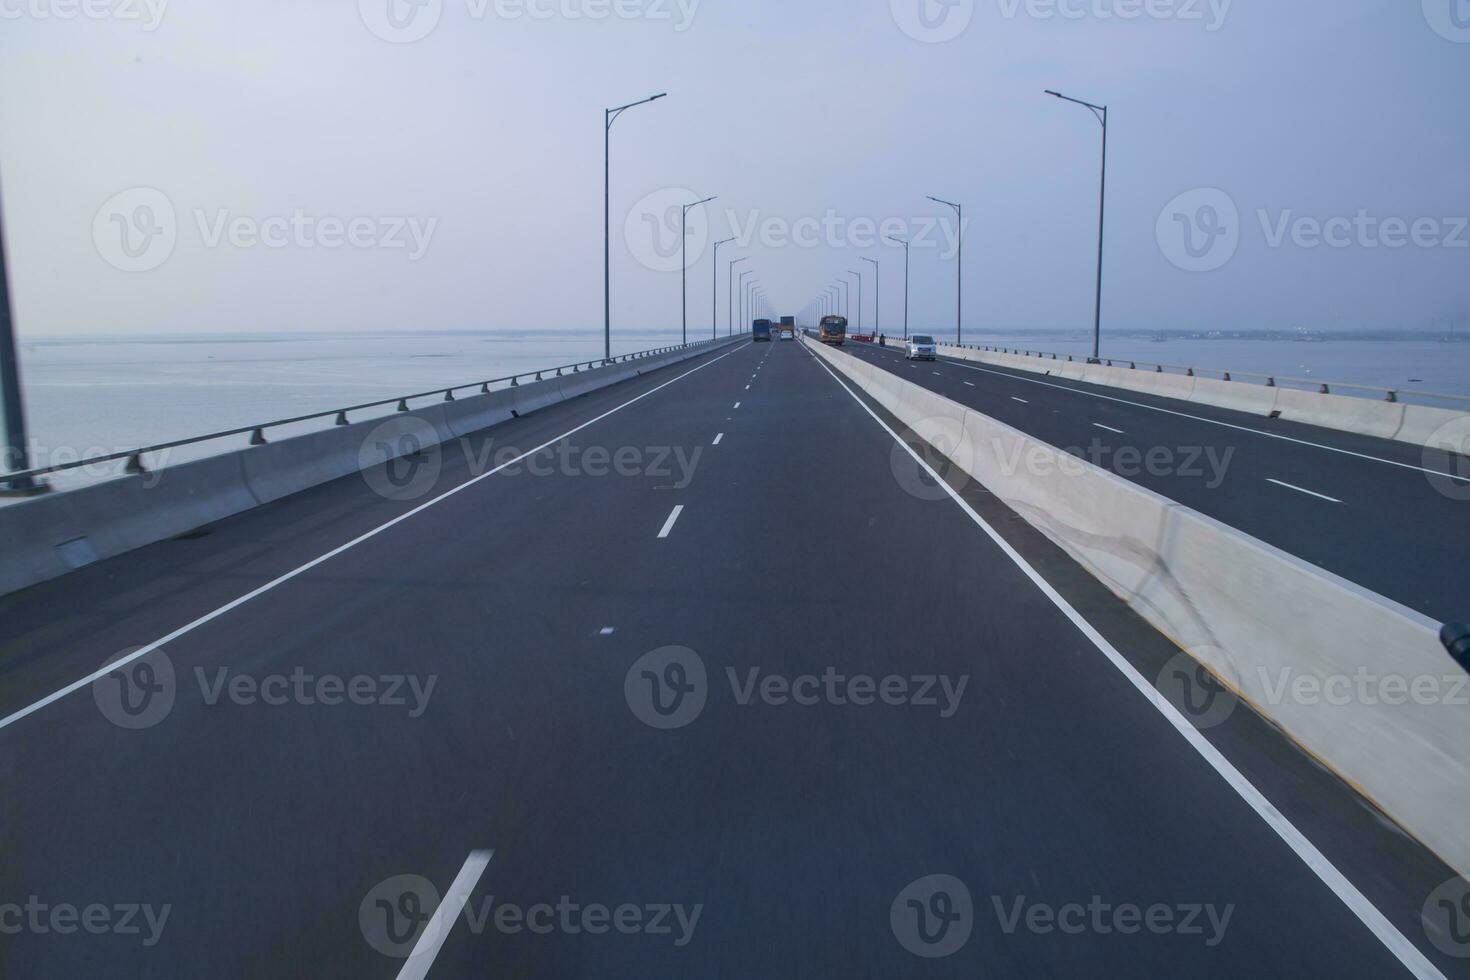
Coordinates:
[208,617]
[669,524]
[1406,952]
[431,940]
[1200,418]
[1310,493]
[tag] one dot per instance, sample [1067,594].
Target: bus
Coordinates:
[761,330]
[834,330]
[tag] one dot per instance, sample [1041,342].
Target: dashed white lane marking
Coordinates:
[969,384]
[935,373]
[1356,902]
[717,439]
[1310,493]
[669,524]
[1109,428]
[737,404]
[434,934]
[1021,400]
[606,631]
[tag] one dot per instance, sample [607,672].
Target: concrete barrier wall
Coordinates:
[1310,650]
[47,536]
[1436,428]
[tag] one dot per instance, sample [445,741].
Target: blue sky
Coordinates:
[178,165]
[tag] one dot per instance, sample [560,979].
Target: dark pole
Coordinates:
[609,116]
[877,300]
[16,456]
[860,297]
[959,289]
[684,266]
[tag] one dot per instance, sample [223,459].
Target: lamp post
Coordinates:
[905,245]
[846,298]
[714,290]
[730,299]
[741,280]
[684,264]
[1101,113]
[877,302]
[959,286]
[609,116]
[853,272]
[14,453]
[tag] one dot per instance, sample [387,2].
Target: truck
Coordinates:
[760,330]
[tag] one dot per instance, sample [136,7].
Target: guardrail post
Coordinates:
[514,382]
[135,465]
[1393,396]
[1189,372]
[403,404]
[257,437]
[449,395]
[1270,382]
[341,419]
[1326,390]
[1158,369]
[1133,365]
[1227,375]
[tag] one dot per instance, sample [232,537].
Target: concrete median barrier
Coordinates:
[1359,681]
[50,535]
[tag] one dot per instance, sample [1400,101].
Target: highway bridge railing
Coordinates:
[135,457]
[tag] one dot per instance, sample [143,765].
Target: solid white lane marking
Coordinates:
[1021,400]
[431,940]
[1109,428]
[208,617]
[1407,953]
[717,439]
[669,524]
[1228,425]
[1310,493]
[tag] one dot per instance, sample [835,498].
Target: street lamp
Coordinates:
[714,290]
[959,286]
[877,302]
[684,264]
[730,299]
[609,116]
[1101,113]
[905,245]
[745,316]
[741,280]
[853,272]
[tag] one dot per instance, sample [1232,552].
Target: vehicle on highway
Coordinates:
[761,330]
[921,347]
[833,330]
[788,323]
[787,333]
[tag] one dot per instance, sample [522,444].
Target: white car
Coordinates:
[787,333]
[921,348]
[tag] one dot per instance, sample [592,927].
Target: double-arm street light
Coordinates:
[846,298]
[684,263]
[854,272]
[609,116]
[714,290]
[1101,113]
[877,302]
[959,287]
[730,299]
[905,245]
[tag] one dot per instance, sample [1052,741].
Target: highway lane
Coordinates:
[532,597]
[1361,508]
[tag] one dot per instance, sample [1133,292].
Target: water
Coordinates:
[89,397]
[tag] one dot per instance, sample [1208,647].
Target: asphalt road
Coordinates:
[1360,507]
[524,730]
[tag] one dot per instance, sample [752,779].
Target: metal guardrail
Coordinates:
[1272,380]
[257,432]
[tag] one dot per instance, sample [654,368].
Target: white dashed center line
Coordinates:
[717,439]
[1021,400]
[1109,428]
[669,524]
[1309,493]
[434,934]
